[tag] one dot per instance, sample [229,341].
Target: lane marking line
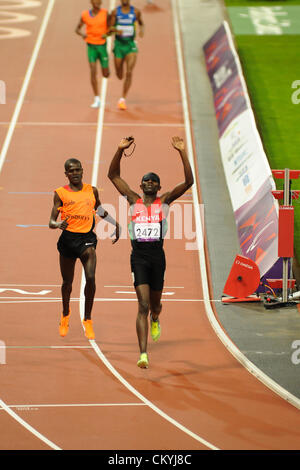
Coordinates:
[147,402]
[94,124]
[45,347]
[133,292]
[124,287]
[28,426]
[259,374]
[30,225]
[99,299]
[31,285]
[71,405]
[24,292]
[30,192]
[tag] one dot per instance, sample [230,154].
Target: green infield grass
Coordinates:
[267,37]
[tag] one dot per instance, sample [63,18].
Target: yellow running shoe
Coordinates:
[155,329]
[122,104]
[88,328]
[64,325]
[143,362]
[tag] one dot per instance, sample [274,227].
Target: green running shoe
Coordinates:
[155,329]
[143,362]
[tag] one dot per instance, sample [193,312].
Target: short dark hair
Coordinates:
[152,176]
[70,161]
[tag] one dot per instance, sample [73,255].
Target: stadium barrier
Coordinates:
[247,171]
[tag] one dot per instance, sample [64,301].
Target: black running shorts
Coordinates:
[148,269]
[73,245]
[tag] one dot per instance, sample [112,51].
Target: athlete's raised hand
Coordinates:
[178,143]
[126,142]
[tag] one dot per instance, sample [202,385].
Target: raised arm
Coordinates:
[181,188]
[115,170]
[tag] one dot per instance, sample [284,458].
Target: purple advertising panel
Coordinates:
[228,91]
[257,226]
[247,171]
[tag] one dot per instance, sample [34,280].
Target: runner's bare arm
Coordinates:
[181,188]
[140,22]
[78,29]
[101,212]
[113,18]
[54,214]
[111,22]
[114,172]
[96,194]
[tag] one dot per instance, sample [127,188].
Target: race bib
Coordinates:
[147,232]
[126,30]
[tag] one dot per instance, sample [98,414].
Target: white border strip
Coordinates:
[29,407]
[94,124]
[265,379]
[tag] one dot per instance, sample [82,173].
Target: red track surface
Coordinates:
[192,378]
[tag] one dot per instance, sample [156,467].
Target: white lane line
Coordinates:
[133,292]
[4,150]
[108,299]
[28,407]
[28,427]
[44,347]
[148,402]
[30,285]
[94,124]
[275,387]
[124,287]
[24,292]
[26,81]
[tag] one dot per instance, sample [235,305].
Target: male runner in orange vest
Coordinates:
[77,204]
[147,230]
[96,22]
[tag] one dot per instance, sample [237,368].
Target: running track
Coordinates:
[77,394]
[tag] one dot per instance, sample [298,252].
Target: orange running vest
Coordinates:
[96,26]
[78,207]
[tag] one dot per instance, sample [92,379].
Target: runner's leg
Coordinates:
[119,67]
[105,72]
[143,296]
[155,303]
[67,267]
[130,61]
[94,83]
[89,261]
